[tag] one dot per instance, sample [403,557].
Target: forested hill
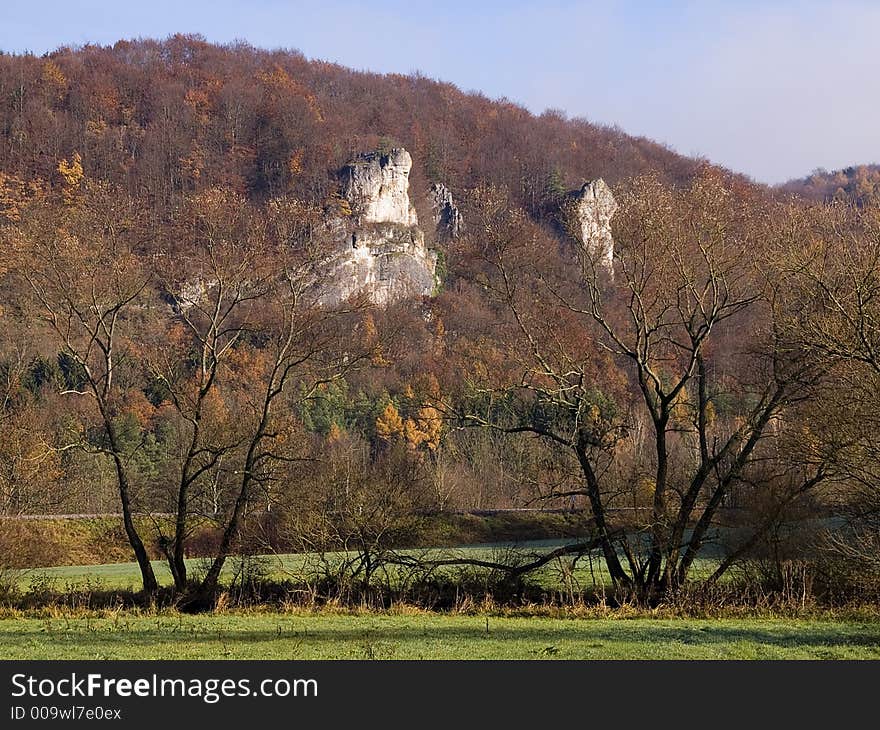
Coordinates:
[859,184]
[181,115]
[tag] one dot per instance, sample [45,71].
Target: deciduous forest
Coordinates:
[691,417]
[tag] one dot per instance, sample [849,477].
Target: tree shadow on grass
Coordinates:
[624,632]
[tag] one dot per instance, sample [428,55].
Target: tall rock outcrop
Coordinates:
[447,217]
[594,207]
[377,187]
[381,250]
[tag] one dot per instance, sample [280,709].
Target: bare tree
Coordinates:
[213,291]
[79,263]
[261,333]
[308,345]
[595,356]
[838,316]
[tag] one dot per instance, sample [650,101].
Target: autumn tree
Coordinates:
[200,335]
[836,314]
[79,262]
[261,334]
[595,356]
[30,464]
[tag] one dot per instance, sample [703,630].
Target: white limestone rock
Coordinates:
[380,250]
[386,262]
[191,293]
[377,186]
[594,208]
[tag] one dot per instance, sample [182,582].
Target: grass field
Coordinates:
[129,634]
[101,539]
[431,636]
[588,573]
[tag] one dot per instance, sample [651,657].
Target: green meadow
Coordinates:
[405,633]
[327,635]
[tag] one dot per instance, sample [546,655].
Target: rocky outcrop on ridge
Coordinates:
[377,187]
[381,250]
[594,207]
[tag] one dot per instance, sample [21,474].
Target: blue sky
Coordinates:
[773,89]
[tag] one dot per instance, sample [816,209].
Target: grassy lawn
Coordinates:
[431,636]
[587,573]
[330,635]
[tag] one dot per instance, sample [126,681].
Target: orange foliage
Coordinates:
[135,403]
[389,424]
[425,429]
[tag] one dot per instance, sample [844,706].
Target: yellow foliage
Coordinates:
[645,489]
[389,424]
[711,413]
[295,163]
[681,407]
[72,171]
[425,429]
[371,337]
[370,331]
[54,78]
[96,127]
[338,206]
[72,174]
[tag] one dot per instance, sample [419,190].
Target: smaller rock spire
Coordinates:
[447,217]
[594,207]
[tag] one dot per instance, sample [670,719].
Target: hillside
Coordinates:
[171,151]
[859,184]
[181,115]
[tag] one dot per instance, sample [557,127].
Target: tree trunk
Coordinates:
[210,582]
[176,560]
[148,577]
[204,596]
[658,528]
[615,569]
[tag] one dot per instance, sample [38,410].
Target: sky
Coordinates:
[773,89]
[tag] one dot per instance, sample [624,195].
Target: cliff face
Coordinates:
[594,207]
[381,250]
[447,217]
[377,187]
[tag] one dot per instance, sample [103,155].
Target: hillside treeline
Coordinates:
[859,184]
[163,119]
